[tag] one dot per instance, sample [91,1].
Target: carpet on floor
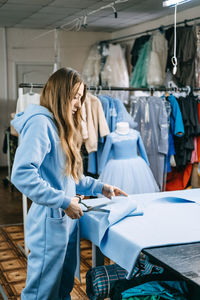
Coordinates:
[13,264]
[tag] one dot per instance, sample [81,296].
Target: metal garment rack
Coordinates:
[116,88]
[161,28]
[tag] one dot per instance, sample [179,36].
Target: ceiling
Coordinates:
[69,14]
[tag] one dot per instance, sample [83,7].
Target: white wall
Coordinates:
[25,46]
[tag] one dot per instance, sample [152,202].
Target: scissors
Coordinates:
[93,208]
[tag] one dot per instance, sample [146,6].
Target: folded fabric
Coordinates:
[166,289]
[145,298]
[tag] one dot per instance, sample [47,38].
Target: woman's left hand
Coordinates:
[111,191]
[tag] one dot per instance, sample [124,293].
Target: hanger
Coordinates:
[161,29]
[186,24]
[151,90]
[31,90]
[100,89]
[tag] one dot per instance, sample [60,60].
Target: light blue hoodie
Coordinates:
[38,170]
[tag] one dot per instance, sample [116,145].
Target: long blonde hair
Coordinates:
[57,94]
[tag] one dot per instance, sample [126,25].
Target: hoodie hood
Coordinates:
[32,110]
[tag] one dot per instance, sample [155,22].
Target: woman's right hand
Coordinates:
[74,210]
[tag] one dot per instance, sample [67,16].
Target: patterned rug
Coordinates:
[13,264]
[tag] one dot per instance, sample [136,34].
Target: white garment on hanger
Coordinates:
[115,72]
[158,60]
[26,99]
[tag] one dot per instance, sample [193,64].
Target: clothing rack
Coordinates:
[31,85]
[115,88]
[161,28]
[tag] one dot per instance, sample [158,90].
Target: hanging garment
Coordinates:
[186,54]
[158,60]
[178,178]
[197,61]
[185,145]
[138,44]
[138,77]
[115,72]
[25,99]
[176,127]
[114,111]
[151,116]
[96,122]
[121,166]
[91,68]
[198,138]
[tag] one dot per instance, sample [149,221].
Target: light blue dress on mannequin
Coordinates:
[122,166]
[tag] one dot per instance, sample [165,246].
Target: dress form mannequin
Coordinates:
[122,128]
[124,162]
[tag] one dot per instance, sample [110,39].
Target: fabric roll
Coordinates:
[99,279]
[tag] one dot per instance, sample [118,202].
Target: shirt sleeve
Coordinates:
[33,147]
[89,186]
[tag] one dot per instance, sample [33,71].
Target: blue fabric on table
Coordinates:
[121,237]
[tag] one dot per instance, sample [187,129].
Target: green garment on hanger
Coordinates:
[139,76]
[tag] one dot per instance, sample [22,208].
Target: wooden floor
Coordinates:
[10,201]
[11,214]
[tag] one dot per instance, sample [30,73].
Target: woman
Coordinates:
[48,170]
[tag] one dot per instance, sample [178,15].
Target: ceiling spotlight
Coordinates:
[174,2]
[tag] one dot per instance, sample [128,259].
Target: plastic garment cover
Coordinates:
[137,45]
[91,68]
[115,72]
[158,60]
[139,75]
[151,116]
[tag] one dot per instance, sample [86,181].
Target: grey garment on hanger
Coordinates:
[151,116]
